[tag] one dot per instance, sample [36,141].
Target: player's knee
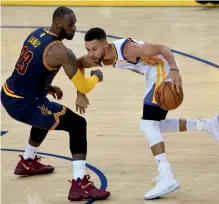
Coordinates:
[151,131]
[71,121]
[81,123]
[78,128]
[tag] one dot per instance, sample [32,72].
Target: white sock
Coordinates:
[161,158]
[190,124]
[207,126]
[30,152]
[203,125]
[79,169]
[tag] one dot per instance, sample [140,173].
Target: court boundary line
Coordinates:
[117,37]
[3,132]
[100,174]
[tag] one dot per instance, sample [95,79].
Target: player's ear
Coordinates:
[106,44]
[58,24]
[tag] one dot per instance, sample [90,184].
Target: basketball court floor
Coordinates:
[118,153]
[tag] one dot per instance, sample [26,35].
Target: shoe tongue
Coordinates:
[78,180]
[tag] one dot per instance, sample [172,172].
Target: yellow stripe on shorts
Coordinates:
[160,76]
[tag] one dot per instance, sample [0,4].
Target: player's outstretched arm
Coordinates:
[66,58]
[135,50]
[85,62]
[150,50]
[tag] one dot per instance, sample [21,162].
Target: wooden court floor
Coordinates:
[116,146]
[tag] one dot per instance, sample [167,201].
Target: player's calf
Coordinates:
[29,164]
[210,126]
[150,126]
[82,187]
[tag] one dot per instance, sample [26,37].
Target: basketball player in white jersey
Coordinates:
[157,63]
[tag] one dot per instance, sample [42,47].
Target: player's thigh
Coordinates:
[41,113]
[13,106]
[153,112]
[47,115]
[155,75]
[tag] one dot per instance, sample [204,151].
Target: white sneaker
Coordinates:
[209,125]
[165,182]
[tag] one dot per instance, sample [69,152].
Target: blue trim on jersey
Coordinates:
[114,64]
[122,51]
[149,97]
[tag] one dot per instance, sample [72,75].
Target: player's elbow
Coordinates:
[79,63]
[150,50]
[163,49]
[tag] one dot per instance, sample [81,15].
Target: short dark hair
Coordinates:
[95,34]
[60,12]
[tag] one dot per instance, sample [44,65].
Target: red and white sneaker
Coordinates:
[85,189]
[32,167]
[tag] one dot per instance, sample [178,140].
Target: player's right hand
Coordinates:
[82,102]
[98,73]
[56,92]
[176,79]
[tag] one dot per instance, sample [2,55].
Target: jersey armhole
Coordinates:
[44,55]
[117,56]
[122,50]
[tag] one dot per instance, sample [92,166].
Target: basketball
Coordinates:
[167,98]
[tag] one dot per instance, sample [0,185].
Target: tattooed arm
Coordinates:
[64,57]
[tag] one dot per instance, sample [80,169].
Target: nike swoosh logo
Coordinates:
[26,167]
[85,186]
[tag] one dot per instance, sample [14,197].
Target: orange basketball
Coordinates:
[167,98]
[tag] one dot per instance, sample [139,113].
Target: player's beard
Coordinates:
[102,57]
[64,35]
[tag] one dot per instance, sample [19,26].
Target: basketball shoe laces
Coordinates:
[155,180]
[89,183]
[37,159]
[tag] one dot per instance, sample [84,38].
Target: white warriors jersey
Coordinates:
[141,66]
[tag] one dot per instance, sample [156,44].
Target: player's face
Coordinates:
[68,27]
[96,50]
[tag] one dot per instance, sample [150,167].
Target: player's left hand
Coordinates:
[176,79]
[56,92]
